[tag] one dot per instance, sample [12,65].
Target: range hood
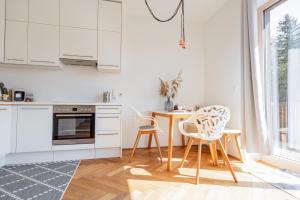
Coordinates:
[79,62]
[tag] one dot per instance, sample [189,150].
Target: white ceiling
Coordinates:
[196,10]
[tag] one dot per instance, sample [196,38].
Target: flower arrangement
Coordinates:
[170,90]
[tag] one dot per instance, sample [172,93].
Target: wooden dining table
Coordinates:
[172,116]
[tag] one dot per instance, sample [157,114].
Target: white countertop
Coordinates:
[60,103]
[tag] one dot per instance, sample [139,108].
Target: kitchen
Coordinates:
[45,35]
[148,99]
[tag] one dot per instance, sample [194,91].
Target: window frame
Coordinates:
[274,159]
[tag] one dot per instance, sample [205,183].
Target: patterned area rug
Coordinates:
[39,181]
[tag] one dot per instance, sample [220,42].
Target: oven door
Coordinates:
[73,128]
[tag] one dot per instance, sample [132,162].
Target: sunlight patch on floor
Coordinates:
[249,188]
[140,172]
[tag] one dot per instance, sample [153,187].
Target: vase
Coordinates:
[169,105]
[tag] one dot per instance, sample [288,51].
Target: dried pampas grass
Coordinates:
[170,92]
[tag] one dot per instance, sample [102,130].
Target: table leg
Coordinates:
[170,143]
[150,141]
[150,136]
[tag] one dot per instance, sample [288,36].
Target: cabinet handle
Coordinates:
[108,117]
[42,61]
[115,1]
[111,108]
[74,55]
[73,115]
[35,108]
[15,59]
[107,133]
[3,109]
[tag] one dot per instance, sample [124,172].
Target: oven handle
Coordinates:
[74,115]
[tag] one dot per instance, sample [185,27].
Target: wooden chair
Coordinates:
[210,122]
[150,130]
[232,134]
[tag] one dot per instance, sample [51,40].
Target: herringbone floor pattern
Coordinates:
[146,178]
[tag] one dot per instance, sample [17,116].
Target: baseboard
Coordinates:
[282,163]
[82,154]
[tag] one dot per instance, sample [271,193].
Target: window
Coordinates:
[281,39]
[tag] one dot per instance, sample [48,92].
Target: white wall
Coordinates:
[223,64]
[150,50]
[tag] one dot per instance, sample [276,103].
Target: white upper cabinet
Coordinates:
[109,50]
[5,128]
[79,13]
[16,42]
[78,43]
[17,10]
[2,37]
[2,9]
[2,29]
[44,11]
[34,129]
[110,16]
[109,35]
[43,44]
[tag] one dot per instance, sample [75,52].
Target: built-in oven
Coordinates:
[73,124]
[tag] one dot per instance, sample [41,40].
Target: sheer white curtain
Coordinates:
[258,140]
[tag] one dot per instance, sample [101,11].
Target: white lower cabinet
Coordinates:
[34,128]
[108,127]
[26,135]
[108,122]
[43,44]
[5,129]
[108,140]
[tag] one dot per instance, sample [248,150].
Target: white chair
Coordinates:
[150,130]
[210,122]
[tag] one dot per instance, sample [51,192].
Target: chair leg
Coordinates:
[211,149]
[150,141]
[238,148]
[198,161]
[225,157]
[135,145]
[225,147]
[186,153]
[183,140]
[214,145]
[158,146]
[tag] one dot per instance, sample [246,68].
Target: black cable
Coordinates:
[164,20]
[182,28]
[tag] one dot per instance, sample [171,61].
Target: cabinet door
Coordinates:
[5,119]
[110,16]
[16,42]
[44,11]
[17,10]
[109,49]
[2,9]
[2,33]
[112,140]
[79,13]
[34,129]
[43,44]
[108,122]
[78,43]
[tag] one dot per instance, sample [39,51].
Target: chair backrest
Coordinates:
[136,111]
[210,122]
[143,119]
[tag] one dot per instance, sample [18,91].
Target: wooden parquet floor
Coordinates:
[146,178]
